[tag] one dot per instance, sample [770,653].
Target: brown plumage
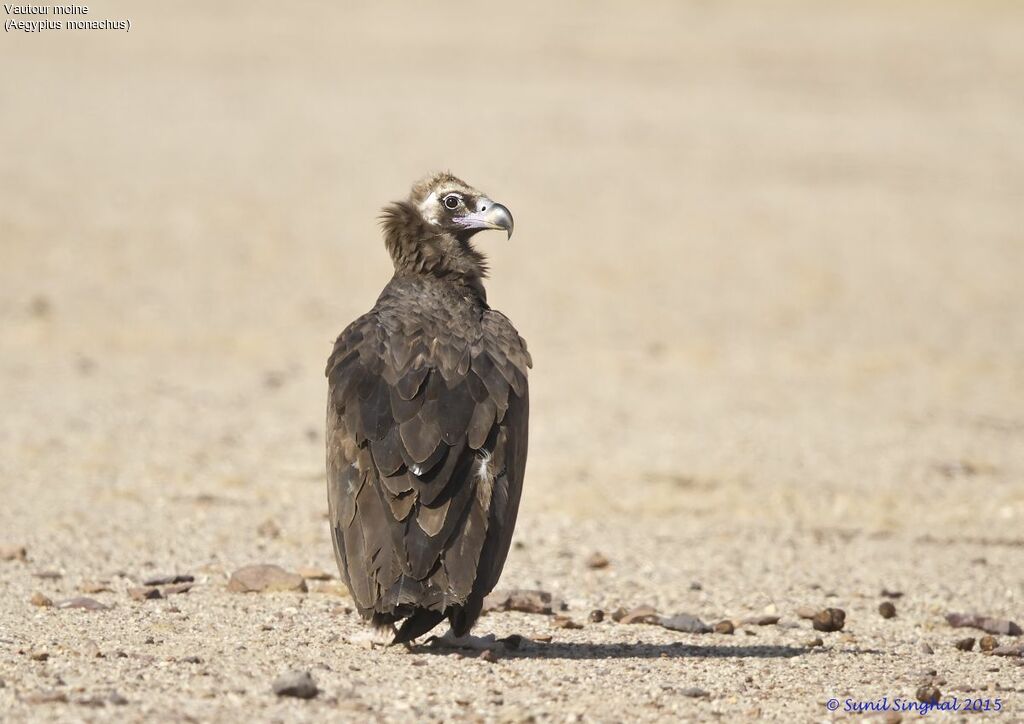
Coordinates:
[427,422]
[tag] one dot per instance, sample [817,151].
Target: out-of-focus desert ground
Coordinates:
[769,259]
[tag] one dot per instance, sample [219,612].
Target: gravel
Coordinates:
[767,261]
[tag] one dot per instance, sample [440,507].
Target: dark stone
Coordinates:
[724,627]
[684,622]
[145,594]
[829,619]
[965,644]
[693,692]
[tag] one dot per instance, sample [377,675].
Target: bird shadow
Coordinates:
[526,649]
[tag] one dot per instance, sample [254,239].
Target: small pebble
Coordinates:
[1011,650]
[565,622]
[684,622]
[169,579]
[965,644]
[724,627]
[830,619]
[94,701]
[83,602]
[144,594]
[524,600]
[597,560]
[988,643]
[806,612]
[297,684]
[925,648]
[640,614]
[93,587]
[814,643]
[13,553]
[264,578]
[40,600]
[693,692]
[928,694]
[886,609]
[596,616]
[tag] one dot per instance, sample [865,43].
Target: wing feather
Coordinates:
[426,449]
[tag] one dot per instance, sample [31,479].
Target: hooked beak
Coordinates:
[489,215]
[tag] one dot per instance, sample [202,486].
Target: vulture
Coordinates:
[427,423]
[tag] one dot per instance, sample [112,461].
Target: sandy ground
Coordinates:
[769,259]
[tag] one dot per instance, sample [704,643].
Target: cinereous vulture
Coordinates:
[427,422]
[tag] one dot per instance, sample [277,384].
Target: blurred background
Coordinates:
[768,258]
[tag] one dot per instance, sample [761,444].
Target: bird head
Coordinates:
[430,231]
[457,208]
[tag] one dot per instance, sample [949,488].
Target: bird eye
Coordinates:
[451,201]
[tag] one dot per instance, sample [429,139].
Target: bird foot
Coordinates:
[464,643]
